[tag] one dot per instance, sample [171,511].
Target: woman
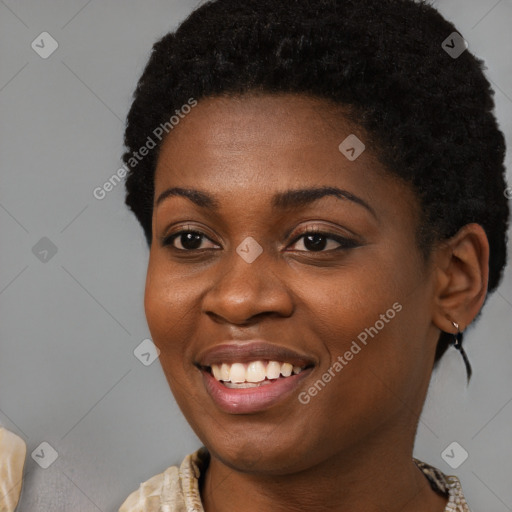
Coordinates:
[321,186]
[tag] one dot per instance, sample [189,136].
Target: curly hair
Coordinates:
[429,115]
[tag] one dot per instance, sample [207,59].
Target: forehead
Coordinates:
[266,132]
[255,114]
[245,149]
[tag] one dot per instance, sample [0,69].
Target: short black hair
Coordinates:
[429,114]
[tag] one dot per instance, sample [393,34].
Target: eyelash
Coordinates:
[345,243]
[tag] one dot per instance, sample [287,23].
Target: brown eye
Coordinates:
[189,240]
[318,241]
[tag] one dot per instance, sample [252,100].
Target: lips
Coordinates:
[254,350]
[243,398]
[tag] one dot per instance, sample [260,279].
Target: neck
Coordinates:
[373,476]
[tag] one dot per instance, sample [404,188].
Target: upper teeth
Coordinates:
[255,371]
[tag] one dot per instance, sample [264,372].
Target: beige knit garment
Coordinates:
[174,490]
[12,459]
[177,488]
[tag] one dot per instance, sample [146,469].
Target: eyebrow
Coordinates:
[290,199]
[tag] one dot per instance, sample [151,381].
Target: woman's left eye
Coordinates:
[317,241]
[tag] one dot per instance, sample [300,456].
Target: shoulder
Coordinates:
[175,489]
[12,459]
[147,498]
[446,485]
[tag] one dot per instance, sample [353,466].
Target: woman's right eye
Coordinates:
[188,239]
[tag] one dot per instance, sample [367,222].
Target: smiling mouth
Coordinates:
[253,374]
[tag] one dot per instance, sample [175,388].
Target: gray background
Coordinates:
[69,324]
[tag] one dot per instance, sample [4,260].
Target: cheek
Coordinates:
[352,299]
[169,304]
[372,316]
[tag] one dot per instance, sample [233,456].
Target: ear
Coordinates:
[462,267]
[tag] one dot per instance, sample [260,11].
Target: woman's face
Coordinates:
[350,307]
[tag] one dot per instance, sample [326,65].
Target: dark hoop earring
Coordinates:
[457,343]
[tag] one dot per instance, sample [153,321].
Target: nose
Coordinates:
[242,291]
